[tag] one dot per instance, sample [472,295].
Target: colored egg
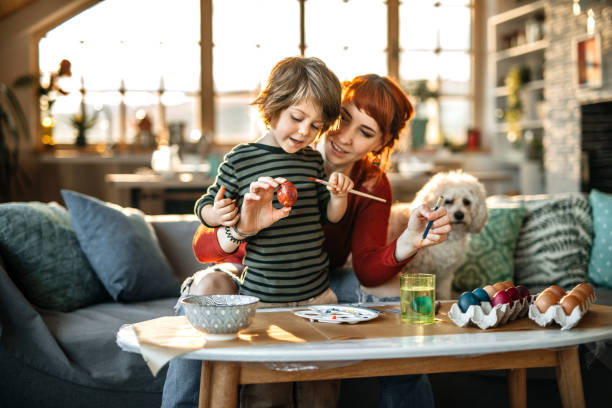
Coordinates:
[545,300]
[481,294]
[466,300]
[569,303]
[499,286]
[513,293]
[422,304]
[523,291]
[508,284]
[287,194]
[501,298]
[490,290]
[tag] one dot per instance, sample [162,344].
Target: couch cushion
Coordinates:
[175,234]
[555,240]
[88,340]
[122,249]
[600,262]
[490,256]
[44,259]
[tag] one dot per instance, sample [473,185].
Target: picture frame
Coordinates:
[587,51]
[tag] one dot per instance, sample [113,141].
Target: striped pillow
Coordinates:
[555,241]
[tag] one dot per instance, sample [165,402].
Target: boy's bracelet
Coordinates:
[242,234]
[230,236]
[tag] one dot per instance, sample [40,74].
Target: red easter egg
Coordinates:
[287,194]
[513,293]
[500,298]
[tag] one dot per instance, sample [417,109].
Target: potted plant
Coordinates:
[13,126]
[419,92]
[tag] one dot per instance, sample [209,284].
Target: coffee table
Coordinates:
[224,368]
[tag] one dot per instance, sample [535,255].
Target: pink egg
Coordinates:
[501,298]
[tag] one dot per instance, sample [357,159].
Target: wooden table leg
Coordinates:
[569,378]
[224,385]
[517,387]
[204,400]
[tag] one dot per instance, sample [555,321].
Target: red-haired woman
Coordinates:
[374,111]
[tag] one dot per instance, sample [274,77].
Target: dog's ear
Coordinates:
[480,212]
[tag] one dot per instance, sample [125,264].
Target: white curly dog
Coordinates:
[464,199]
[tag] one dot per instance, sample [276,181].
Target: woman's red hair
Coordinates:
[382,99]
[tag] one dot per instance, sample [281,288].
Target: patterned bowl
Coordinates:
[220,317]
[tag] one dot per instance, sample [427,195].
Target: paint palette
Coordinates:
[337,314]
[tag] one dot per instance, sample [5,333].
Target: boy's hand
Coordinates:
[224,211]
[339,184]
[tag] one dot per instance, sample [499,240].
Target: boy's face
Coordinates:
[296,127]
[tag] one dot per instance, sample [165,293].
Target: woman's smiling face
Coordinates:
[357,135]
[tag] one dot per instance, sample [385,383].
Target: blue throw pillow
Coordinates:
[122,249]
[43,257]
[600,262]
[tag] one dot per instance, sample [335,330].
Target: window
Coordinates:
[436,46]
[136,45]
[153,50]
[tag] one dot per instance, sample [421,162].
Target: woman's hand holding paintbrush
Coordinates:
[426,227]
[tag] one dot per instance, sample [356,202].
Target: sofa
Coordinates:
[69,358]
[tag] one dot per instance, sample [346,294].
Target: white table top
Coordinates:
[390,347]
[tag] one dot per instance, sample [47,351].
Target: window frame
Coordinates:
[207,95]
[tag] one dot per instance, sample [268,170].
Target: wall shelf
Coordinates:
[528,87]
[516,13]
[521,50]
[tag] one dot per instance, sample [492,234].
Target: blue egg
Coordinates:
[481,294]
[466,300]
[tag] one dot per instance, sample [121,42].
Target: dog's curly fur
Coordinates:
[464,199]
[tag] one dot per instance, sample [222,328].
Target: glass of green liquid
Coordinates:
[417,297]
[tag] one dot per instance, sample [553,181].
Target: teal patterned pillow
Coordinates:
[600,262]
[490,256]
[44,259]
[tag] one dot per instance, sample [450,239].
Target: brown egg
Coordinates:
[508,284]
[499,286]
[545,300]
[579,295]
[556,290]
[586,290]
[490,291]
[569,303]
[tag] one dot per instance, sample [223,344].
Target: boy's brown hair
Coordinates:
[297,79]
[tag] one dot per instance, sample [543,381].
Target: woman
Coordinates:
[374,111]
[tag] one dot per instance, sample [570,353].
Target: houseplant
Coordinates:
[13,127]
[419,92]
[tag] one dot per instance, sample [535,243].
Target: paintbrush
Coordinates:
[429,224]
[359,193]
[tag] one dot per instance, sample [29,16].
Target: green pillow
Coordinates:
[600,262]
[44,259]
[490,256]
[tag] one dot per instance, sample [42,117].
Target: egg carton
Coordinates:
[486,316]
[556,314]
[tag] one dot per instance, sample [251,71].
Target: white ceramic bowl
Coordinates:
[220,317]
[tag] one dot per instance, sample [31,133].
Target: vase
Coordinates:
[81,140]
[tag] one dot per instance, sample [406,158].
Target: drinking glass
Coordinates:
[417,297]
